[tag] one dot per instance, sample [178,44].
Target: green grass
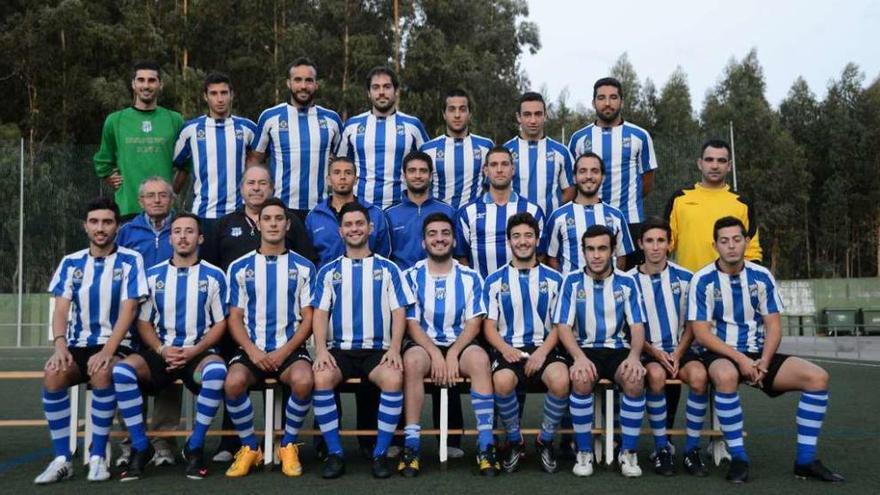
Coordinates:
[850,441]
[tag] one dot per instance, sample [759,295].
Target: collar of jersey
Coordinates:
[487,198]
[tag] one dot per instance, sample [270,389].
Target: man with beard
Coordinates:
[322,223]
[596,306]
[543,165]
[407,217]
[217,145]
[692,211]
[178,326]
[138,142]
[481,240]
[519,300]
[359,322]
[442,326]
[97,291]
[626,149]
[299,138]
[734,306]
[566,225]
[458,155]
[377,140]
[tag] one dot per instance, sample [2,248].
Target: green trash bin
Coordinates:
[840,320]
[870,320]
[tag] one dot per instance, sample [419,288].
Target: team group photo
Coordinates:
[396,265]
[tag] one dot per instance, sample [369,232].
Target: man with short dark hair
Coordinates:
[626,149]
[97,291]
[377,140]
[459,154]
[138,142]
[300,138]
[543,165]
[359,321]
[596,305]
[215,147]
[734,306]
[692,211]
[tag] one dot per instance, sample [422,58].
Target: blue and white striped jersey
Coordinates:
[271,291]
[736,305]
[599,311]
[96,287]
[185,302]
[444,304]
[377,146]
[458,167]
[360,295]
[521,303]
[300,143]
[628,153]
[543,169]
[481,230]
[218,149]
[567,225]
[665,296]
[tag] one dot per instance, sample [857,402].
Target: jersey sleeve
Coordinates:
[490,299]
[566,174]
[399,293]
[345,147]
[420,137]
[550,242]
[672,217]
[564,312]
[413,311]
[634,306]
[647,158]
[539,216]
[263,133]
[700,305]
[474,303]
[237,290]
[306,286]
[147,311]
[382,239]
[769,301]
[62,284]
[182,148]
[135,282]
[625,244]
[218,309]
[462,234]
[323,297]
[105,158]
[753,250]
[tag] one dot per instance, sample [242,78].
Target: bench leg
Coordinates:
[74,417]
[268,410]
[444,427]
[609,426]
[598,422]
[717,446]
[87,439]
[189,407]
[280,407]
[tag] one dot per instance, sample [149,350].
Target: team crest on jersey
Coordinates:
[440,154]
[570,222]
[753,290]
[515,156]
[618,296]
[147,126]
[235,231]
[505,289]
[609,220]
[203,286]
[282,124]
[717,294]
[627,142]
[581,294]
[77,276]
[440,293]
[249,274]
[322,124]
[401,130]
[117,274]
[160,286]
[549,156]
[200,135]
[239,134]
[361,129]
[377,274]
[543,287]
[291,274]
[481,215]
[336,279]
[588,145]
[676,287]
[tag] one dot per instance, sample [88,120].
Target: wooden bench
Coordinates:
[603,423]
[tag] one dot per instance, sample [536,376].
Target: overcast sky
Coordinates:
[581,40]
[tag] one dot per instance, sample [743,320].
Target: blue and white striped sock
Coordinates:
[632,412]
[413,439]
[103,409]
[730,416]
[810,414]
[295,414]
[390,407]
[508,409]
[554,408]
[207,402]
[581,408]
[484,411]
[241,412]
[697,405]
[657,419]
[131,404]
[328,419]
[56,406]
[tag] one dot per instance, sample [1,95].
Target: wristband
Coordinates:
[55,339]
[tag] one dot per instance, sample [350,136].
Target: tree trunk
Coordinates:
[345,59]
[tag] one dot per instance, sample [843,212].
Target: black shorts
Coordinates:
[772,369]
[357,363]
[688,356]
[498,363]
[241,357]
[81,356]
[606,361]
[160,377]
[409,344]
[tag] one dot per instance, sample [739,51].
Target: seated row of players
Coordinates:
[358,305]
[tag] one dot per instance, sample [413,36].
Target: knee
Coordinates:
[819,379]
[392,381]
[479,359]
[104,378]
[413,363]
[54,381]
[303,383]
[633,388]
[504,383]
[582,387]
[698,380]
[726,380]
[323,380]
[235,385]
[656,378]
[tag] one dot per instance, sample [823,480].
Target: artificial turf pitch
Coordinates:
[850,443]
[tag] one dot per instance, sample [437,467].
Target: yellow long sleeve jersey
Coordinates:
[692,213]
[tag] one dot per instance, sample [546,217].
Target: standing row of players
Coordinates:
[568,331]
